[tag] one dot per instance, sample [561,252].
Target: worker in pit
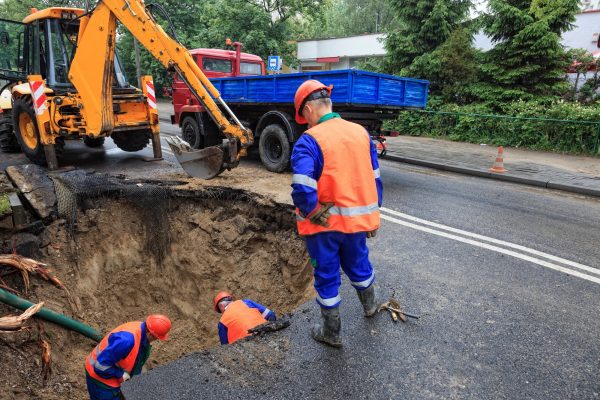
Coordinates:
[122,354]
[239,316]
[337,191]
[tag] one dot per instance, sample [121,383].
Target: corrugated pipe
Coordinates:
[51,316]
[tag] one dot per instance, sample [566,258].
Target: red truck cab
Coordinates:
[215,63]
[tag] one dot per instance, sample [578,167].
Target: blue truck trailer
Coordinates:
[265,103]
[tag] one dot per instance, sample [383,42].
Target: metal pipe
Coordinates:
[51,316]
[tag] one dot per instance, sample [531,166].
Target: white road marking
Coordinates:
[166,150]
[525,257]
[492,240]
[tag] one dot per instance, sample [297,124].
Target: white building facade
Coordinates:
[338,53]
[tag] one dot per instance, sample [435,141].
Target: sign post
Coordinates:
[274,63]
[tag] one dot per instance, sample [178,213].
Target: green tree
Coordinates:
[528,59]
[421,26]
[340,18]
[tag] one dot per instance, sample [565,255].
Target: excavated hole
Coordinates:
[112,262]
[242,246]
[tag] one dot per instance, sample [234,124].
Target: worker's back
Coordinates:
[238,318]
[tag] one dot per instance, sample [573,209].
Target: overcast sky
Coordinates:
[481,4]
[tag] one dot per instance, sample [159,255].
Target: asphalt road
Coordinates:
[505,278]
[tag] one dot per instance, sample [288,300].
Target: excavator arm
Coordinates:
[91,73]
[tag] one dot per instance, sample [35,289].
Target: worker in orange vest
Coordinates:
[239,316]
[337,191]
[122,354]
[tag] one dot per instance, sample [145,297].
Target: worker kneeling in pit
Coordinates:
[239,316]
[122,354]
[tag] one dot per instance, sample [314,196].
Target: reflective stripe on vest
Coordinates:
[127,363]
[347,179]
[238,318]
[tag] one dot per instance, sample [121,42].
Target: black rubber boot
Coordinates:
[367,299]
[329,331]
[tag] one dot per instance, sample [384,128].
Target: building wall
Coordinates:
[345,50]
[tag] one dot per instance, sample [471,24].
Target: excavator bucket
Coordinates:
[204,163]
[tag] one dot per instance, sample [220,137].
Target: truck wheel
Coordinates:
[27,133]
[8,140]
[190,132]
[93,141]
[131,140]
[274,148]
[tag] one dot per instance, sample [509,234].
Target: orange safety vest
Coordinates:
[126,363]
[347,180]
[238,318]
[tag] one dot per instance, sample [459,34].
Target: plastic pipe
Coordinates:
[51,316]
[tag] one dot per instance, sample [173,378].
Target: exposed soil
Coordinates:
[219,239]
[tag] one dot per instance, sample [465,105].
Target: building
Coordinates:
[338,53]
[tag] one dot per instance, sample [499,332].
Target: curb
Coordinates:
[489,175]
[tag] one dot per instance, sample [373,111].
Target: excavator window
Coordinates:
[12,43]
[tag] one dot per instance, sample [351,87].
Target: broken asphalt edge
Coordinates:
[490,175]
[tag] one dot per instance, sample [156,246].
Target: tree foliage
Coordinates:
[339,18]
[422,26]
[528,59]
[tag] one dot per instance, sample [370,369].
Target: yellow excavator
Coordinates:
[66,82]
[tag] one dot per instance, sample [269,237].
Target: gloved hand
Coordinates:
[126,376]
[321,215]
[372,234]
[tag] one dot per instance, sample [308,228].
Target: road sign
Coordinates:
[274,63]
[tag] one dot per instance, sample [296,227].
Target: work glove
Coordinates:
[321,215]
[125,376]
[371,234]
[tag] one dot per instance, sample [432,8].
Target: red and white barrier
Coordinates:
[38,92]
[151,95]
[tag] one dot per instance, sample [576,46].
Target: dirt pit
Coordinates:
[123,261]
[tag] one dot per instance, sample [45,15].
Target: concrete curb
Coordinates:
[490,175]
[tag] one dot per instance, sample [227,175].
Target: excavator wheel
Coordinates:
[8,140]
[132,140]
[93,141]
[26,131]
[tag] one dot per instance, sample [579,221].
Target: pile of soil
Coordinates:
[242,243]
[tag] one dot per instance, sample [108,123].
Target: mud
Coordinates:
[219,239]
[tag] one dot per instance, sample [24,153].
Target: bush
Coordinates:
[467,123]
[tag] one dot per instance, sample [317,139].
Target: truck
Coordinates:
[265,103]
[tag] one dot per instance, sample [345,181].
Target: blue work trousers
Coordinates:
[99,392]
[329,251]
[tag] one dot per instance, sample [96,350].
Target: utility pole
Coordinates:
[138,68]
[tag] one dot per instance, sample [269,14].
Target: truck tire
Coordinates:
[191,132]
[274,148]
[26,131]
[8,140]
[132,140]
[93,142]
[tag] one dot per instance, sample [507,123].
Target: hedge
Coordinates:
[559,126]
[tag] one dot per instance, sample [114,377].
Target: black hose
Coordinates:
[165,15]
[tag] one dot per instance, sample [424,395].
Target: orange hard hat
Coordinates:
[304,91]
[158,325]
[220,296]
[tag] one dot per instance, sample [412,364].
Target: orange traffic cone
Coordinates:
[499,164]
